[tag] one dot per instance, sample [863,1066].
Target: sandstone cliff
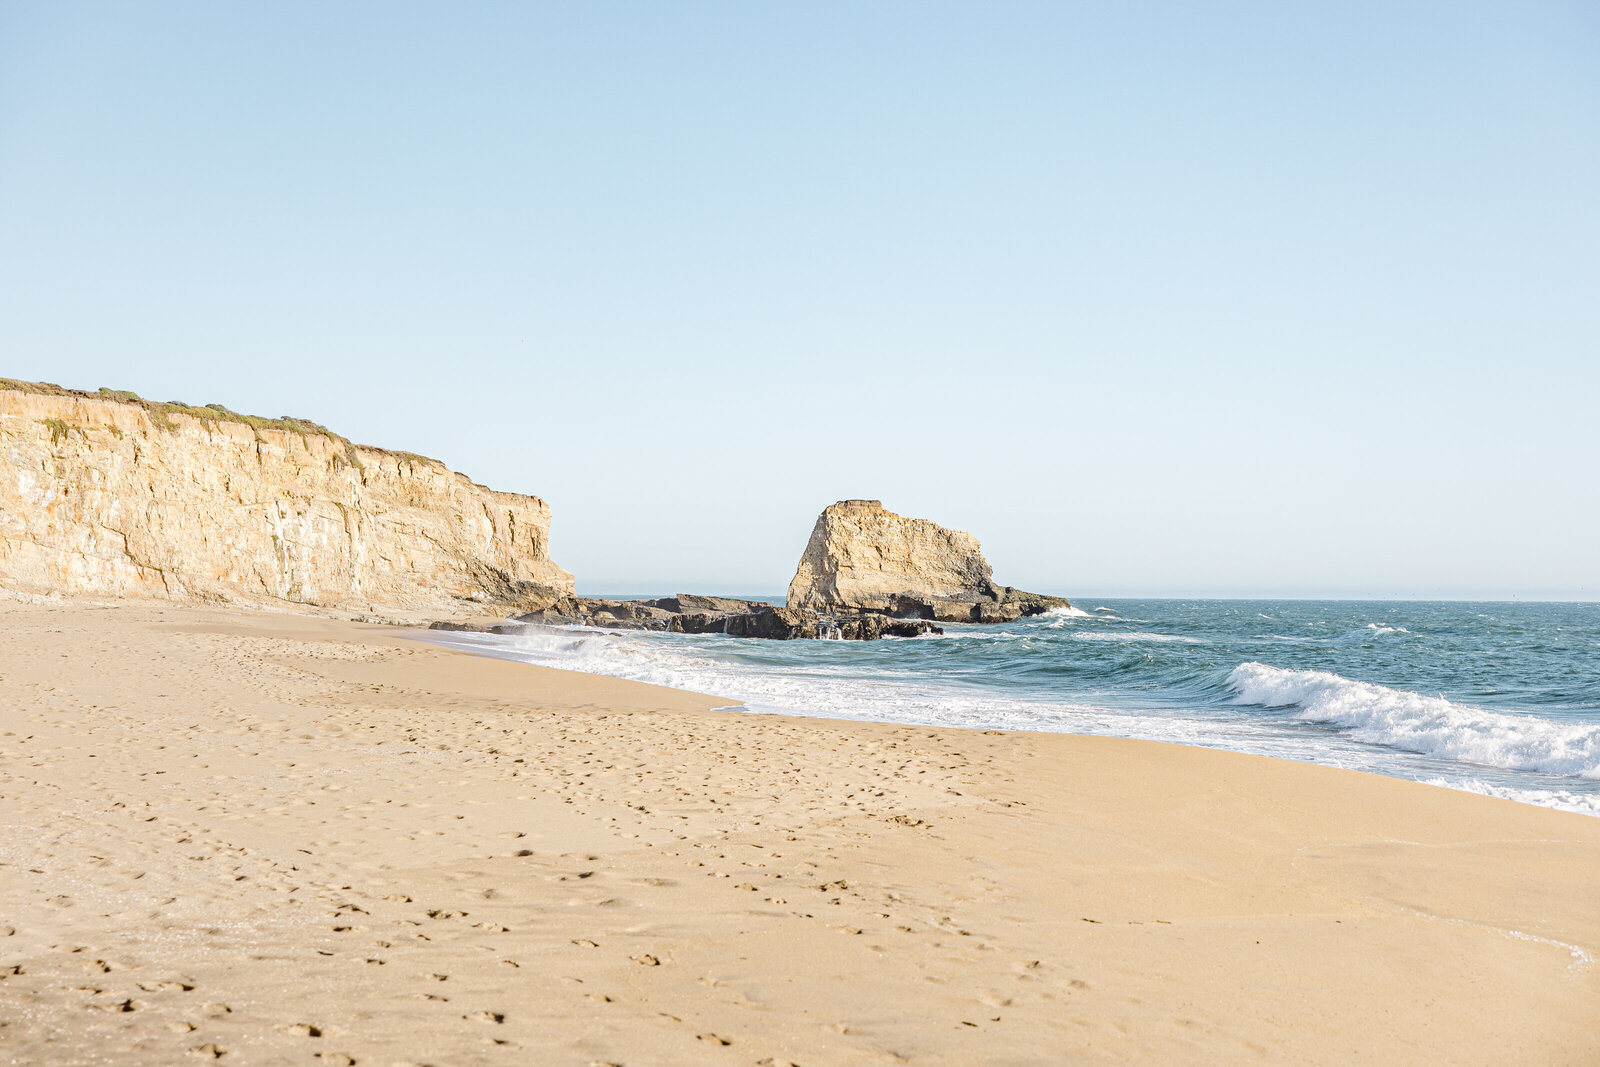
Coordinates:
[108,495]
[862,557]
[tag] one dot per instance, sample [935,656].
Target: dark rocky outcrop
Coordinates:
[475,627]
[859,627]
[685,603]
[688,614]
[774,624]
[699,622]
[872,626]
[662,613]
[911,628]
[990,604]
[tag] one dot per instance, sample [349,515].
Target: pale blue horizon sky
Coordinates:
[1195,300]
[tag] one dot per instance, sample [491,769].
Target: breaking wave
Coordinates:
[1432,726]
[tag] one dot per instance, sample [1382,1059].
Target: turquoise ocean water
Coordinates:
[1498,698]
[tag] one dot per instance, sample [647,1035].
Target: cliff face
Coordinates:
[862,557]
[110,498]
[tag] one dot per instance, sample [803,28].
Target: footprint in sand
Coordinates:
[165,987]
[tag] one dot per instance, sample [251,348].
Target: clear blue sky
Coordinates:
[1196,299]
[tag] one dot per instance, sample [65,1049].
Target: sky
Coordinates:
[1227,299]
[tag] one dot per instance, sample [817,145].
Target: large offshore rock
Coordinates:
[865,558]
[107,495]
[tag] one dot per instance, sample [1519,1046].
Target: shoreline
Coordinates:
[609,871]
[810,680]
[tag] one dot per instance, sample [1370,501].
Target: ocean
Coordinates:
[1496,698]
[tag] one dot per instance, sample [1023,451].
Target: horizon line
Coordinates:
[634,592]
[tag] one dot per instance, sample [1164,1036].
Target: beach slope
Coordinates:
[277,838]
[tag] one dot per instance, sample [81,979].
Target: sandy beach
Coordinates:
[273,838]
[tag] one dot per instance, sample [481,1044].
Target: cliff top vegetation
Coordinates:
[161,412]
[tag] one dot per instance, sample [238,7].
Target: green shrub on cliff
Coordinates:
[209,415]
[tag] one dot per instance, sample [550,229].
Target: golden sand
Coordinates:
[282,839]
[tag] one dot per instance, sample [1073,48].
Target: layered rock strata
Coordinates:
[108,495]
[865,558]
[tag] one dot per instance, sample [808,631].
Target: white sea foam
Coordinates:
[1069,612]
[1387,629]
[795,689]
[1135,635]
[1430,725]
[1564,799]
[812,689]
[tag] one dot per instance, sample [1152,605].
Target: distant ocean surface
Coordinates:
[1496,698]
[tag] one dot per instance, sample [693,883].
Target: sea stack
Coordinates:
[865,558]
[105,494]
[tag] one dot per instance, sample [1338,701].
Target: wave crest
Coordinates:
[1432,726]
[1134,635]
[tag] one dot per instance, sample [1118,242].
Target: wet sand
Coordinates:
[269,838]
